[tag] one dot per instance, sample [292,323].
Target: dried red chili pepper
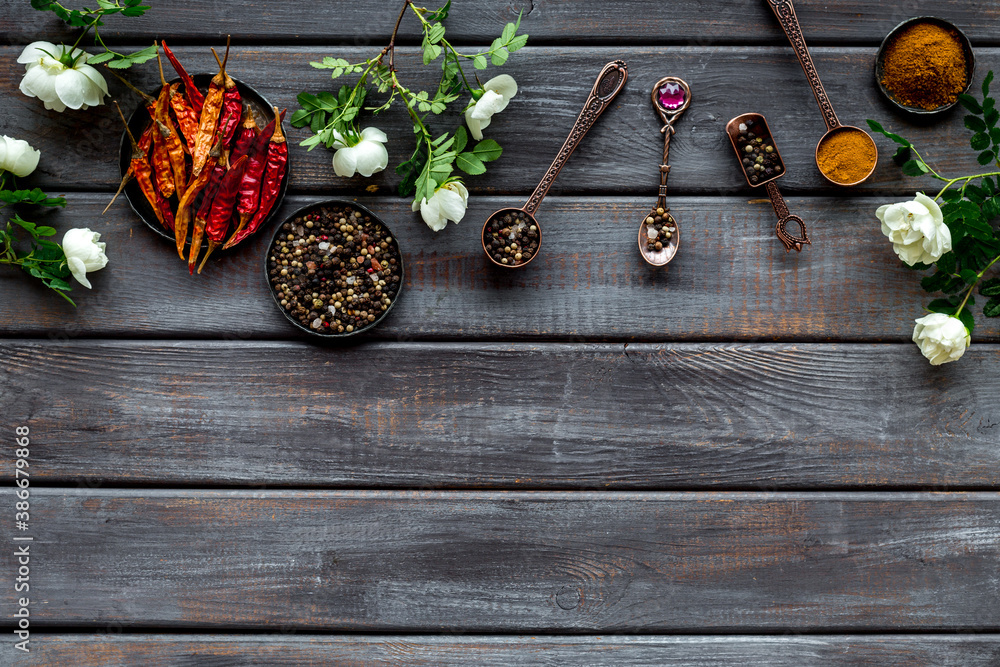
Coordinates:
[222,209]
[169,138]
[183,217]
[187,119]
[274,174]
[209,121]
[162,169]
[140,170]
[248,133]
[191,92]
[210,191]
[232,106]
[250,187]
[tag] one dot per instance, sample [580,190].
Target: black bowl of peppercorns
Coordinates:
[334,269]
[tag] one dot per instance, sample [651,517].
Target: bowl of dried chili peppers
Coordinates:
[334,269]
[204,161]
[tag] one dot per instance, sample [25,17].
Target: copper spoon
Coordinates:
[609,83]
[757,125]
[785,12]
[671,96]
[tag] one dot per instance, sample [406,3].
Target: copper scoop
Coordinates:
[785,13]
[512,237]
[762,165]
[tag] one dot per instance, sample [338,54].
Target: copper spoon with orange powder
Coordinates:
[845,155]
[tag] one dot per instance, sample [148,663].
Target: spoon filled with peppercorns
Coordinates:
[511,236]
[659,236]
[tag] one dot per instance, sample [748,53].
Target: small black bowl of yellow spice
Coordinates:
[924,64]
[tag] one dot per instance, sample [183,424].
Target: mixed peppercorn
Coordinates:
[760,158]
[511,238]
[335,269]
[660,228]
[204,165]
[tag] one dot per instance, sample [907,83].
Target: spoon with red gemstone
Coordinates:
[659,235]
[512,237]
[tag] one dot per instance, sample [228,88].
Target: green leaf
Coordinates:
[985,157]
[142,56]
[991,117]
[137,10]
[508,33]
[499,56]
[431,52]
[966,317]
[470,164]
[517,43]
[914,168]
[436,33]
[980,141]
[487,150]
[941,306]
[975,123]
[901,156]
[970,103]
[895,137]
[990,287]
[120,63]
[479,62]
[951,195]
[969,276]
[100,58]
[992,307]
[986,83]
[461,138]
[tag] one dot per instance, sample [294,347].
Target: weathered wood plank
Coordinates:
[513,562]
[731,281]
[504,416]
[111,650]
[620,155]
[552,21]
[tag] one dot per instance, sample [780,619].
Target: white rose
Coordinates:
[495,99]
[83,253]
[942,338]
[17,156]
[448,203]
[60,77]
[365,157]
[916,229]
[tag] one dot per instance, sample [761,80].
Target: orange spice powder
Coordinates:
[846,155]
[924,66]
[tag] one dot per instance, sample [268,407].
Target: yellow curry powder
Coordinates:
[846,155]
[924,66]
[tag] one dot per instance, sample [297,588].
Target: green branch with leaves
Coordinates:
[333,118]
[93,19]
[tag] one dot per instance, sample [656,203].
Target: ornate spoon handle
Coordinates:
[785,12]
[784,217]
[609,83]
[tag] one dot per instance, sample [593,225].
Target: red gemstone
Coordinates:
[672,96]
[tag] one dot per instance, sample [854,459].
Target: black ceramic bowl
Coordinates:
[137,123]
[970,63]
[274,294]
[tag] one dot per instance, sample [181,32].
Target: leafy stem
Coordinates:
[979,276]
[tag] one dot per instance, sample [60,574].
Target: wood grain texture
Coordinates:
[508,416]
[620,155]
[731,281]
[111,650]
[553,21]
[513,562]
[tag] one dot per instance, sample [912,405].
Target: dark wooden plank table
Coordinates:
[740,460]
